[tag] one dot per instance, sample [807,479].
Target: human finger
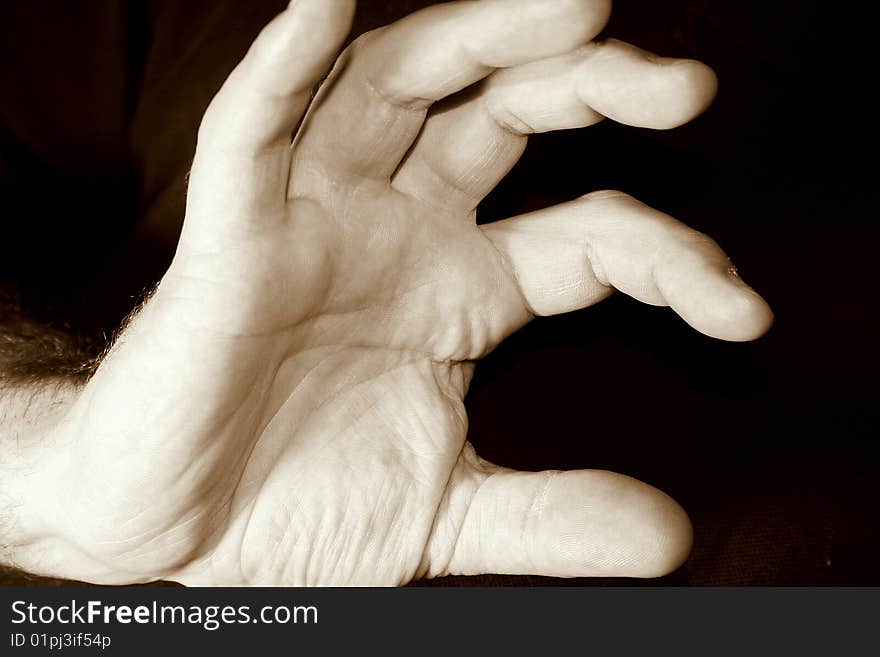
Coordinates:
[242,161]
[370,110]
[581,523]
[469,144]
[571,255]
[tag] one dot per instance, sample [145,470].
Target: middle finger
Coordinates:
[370,111]
[469,144]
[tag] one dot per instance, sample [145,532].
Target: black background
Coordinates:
[771,446]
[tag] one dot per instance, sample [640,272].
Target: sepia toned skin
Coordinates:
[287,407]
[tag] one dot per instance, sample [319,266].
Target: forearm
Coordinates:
[28,416]
[41,372]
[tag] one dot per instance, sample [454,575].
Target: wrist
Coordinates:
[29,416]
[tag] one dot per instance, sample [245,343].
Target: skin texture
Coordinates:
[287,407]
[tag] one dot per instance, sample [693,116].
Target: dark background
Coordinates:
[771,446]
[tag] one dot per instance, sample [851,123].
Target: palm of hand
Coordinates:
[363,422]
[346,413]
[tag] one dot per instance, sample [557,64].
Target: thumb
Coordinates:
[583,523]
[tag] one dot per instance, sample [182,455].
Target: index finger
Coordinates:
[371,109]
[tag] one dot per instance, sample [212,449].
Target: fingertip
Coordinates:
[703,287]
[318,28]
[763,322]
[665,533]
[627,528]
[701,84]
[730,309]
[732,315]
[672,536]
[684,89]
[746,316]
[635,87]
[595,15]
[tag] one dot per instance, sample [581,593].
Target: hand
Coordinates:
[287,407]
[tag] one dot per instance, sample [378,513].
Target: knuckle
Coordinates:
[699,243]
[356,49]
[501,113]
